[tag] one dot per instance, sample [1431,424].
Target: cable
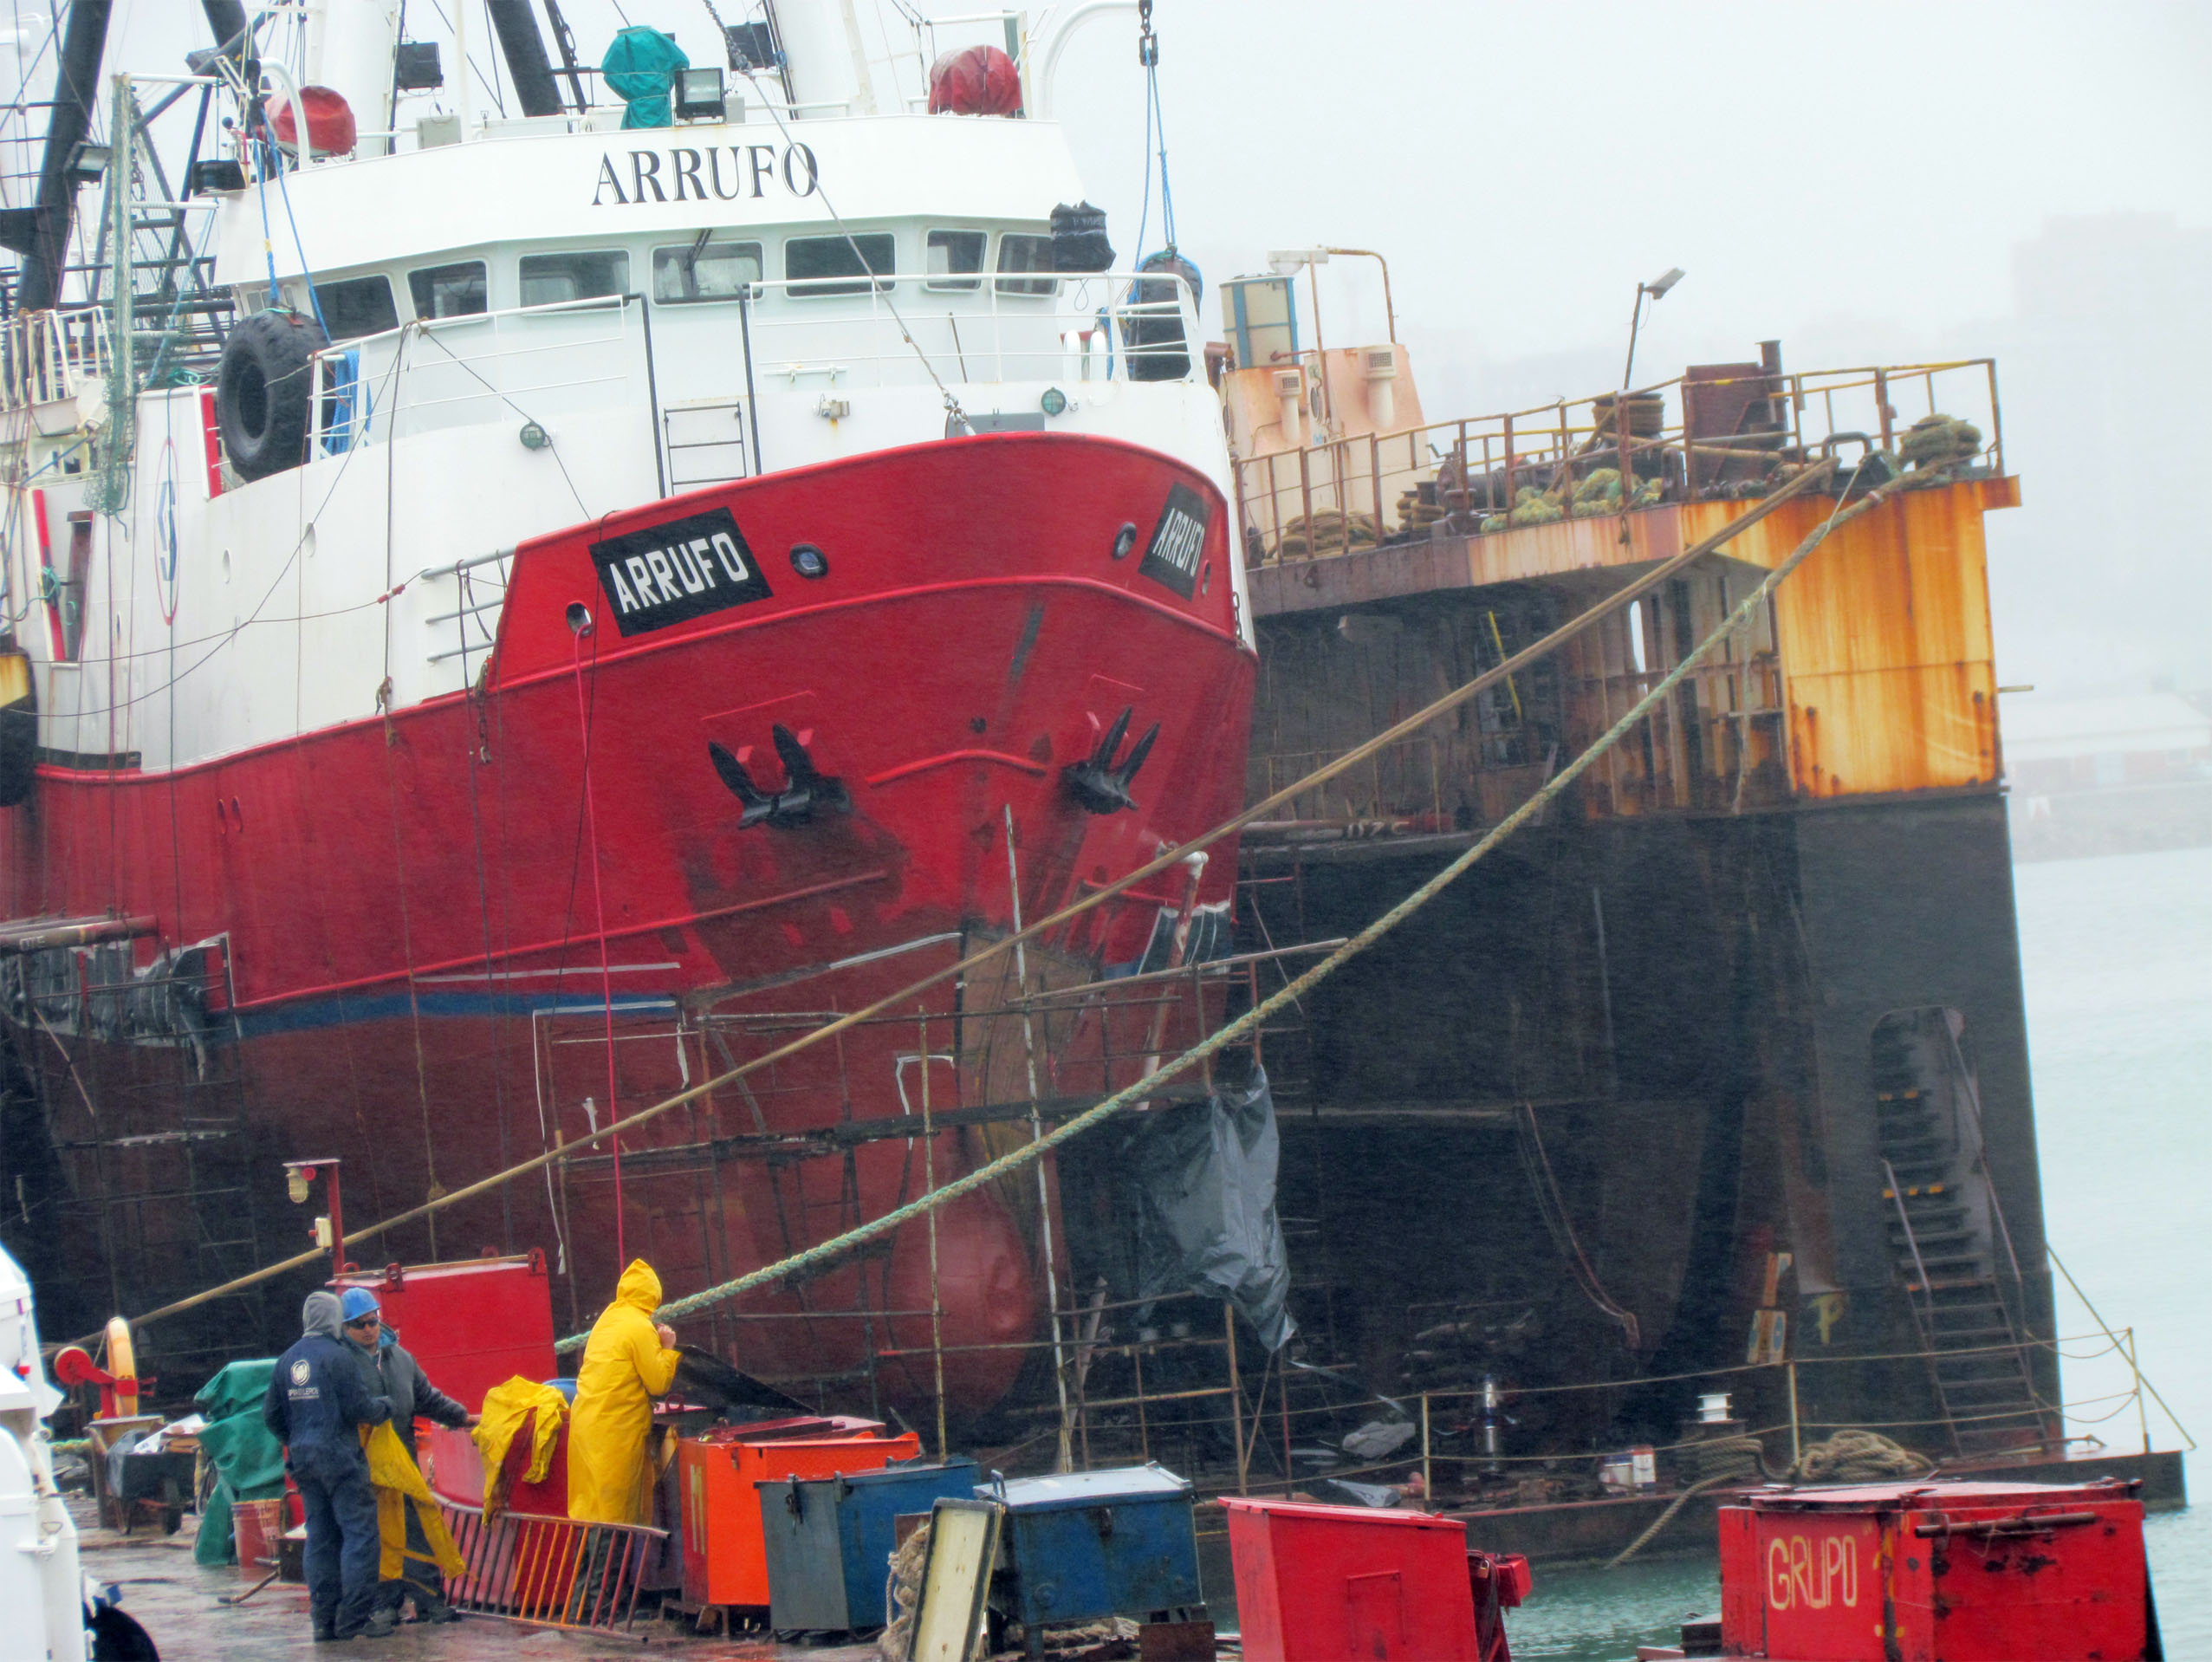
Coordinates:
[1146,1087]
[1148,55]
[430,337]
[880,290]
[1166,860]
[231,634]
[582,627]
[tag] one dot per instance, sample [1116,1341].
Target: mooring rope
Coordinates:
[816,1255]
[1853,1456]
[1166,860]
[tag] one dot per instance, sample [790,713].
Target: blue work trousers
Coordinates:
[342,1547]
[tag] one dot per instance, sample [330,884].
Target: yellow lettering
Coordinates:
[1777,1577]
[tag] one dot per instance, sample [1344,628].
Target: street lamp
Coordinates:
[1656,288]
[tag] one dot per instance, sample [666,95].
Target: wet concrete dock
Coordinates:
[176,1601]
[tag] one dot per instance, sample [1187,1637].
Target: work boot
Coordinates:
[326,1627]
[435,1610]
[380,1623]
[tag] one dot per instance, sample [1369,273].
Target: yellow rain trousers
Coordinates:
[625,1368]
[397,1484]
[505,1407]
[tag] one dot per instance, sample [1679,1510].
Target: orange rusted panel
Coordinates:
[1884,637]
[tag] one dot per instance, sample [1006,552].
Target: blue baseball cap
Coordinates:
[357,1303]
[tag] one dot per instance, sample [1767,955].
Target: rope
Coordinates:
[1166,860]
[1854,1456]
[1147,1087]
[877,290]
[599,912]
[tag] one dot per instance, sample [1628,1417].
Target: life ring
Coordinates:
[123,1366]
[264,392]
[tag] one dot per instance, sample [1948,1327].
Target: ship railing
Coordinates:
[1692,439]
[46,357]
[525,364]
[531,363]
[975,328]
[1154,1379]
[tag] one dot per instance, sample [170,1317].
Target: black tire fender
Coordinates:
[263,392]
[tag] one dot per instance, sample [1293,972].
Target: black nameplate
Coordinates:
[1172,557]
[674,571]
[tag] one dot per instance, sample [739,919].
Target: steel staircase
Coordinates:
[1947,1238]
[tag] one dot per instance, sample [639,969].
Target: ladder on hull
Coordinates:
[1947,1239]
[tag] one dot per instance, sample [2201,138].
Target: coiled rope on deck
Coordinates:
[1848,1456]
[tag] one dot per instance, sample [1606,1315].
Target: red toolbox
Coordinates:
[1320,1583]
[1967,1572]
[725,1552]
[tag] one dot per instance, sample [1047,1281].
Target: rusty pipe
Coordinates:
[75,932]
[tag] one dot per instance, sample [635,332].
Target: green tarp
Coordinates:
[235,1443]
[248,1461]
[217,1540]
[640,69]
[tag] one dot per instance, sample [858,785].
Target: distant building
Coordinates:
[2054,747]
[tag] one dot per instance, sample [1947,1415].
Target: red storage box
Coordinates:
[454,1471]
[725,1553]
[1321,1583]
[473,1323]
[1970,1572]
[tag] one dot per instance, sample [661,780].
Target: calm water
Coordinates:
[2117,955]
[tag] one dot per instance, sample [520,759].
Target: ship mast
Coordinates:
[41,233]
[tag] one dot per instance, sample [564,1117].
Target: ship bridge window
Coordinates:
[357,307]
[588,273]
[953,254]
[457,290]
[819,263]
[702,270]
[1018,252]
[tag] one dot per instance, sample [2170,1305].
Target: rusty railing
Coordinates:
[1481,474]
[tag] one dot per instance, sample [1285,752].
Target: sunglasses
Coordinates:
[364,1322]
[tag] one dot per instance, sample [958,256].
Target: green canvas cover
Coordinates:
[217,1540]
[640,69]
[235,1443]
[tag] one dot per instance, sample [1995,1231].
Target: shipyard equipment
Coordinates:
[472,1324]
[1972,1572]
[1315,1582]
[725,1553]
[1077,1546]
[829,1540]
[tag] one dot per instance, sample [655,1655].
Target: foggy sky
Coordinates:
[1868,182]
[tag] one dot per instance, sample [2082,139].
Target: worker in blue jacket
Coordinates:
[322,1392]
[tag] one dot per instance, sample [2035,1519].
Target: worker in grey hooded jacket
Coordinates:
[402,1380]
[322,1391]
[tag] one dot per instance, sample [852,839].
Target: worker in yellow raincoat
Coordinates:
[628,1360]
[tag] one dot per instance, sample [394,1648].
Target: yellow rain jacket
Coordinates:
[505,1407]
[399,1485]
[625,1368]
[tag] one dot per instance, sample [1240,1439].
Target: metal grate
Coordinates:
[547,1571]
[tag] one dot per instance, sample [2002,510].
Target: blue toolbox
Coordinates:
[829,1540]
[1078,1546]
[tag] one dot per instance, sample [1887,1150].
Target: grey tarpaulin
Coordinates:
[1205,1176]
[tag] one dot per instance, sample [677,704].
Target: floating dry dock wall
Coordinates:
[1726,1061]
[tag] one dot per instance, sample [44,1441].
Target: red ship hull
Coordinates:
[423,915]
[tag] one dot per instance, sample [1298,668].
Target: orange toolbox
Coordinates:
[725,1551]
